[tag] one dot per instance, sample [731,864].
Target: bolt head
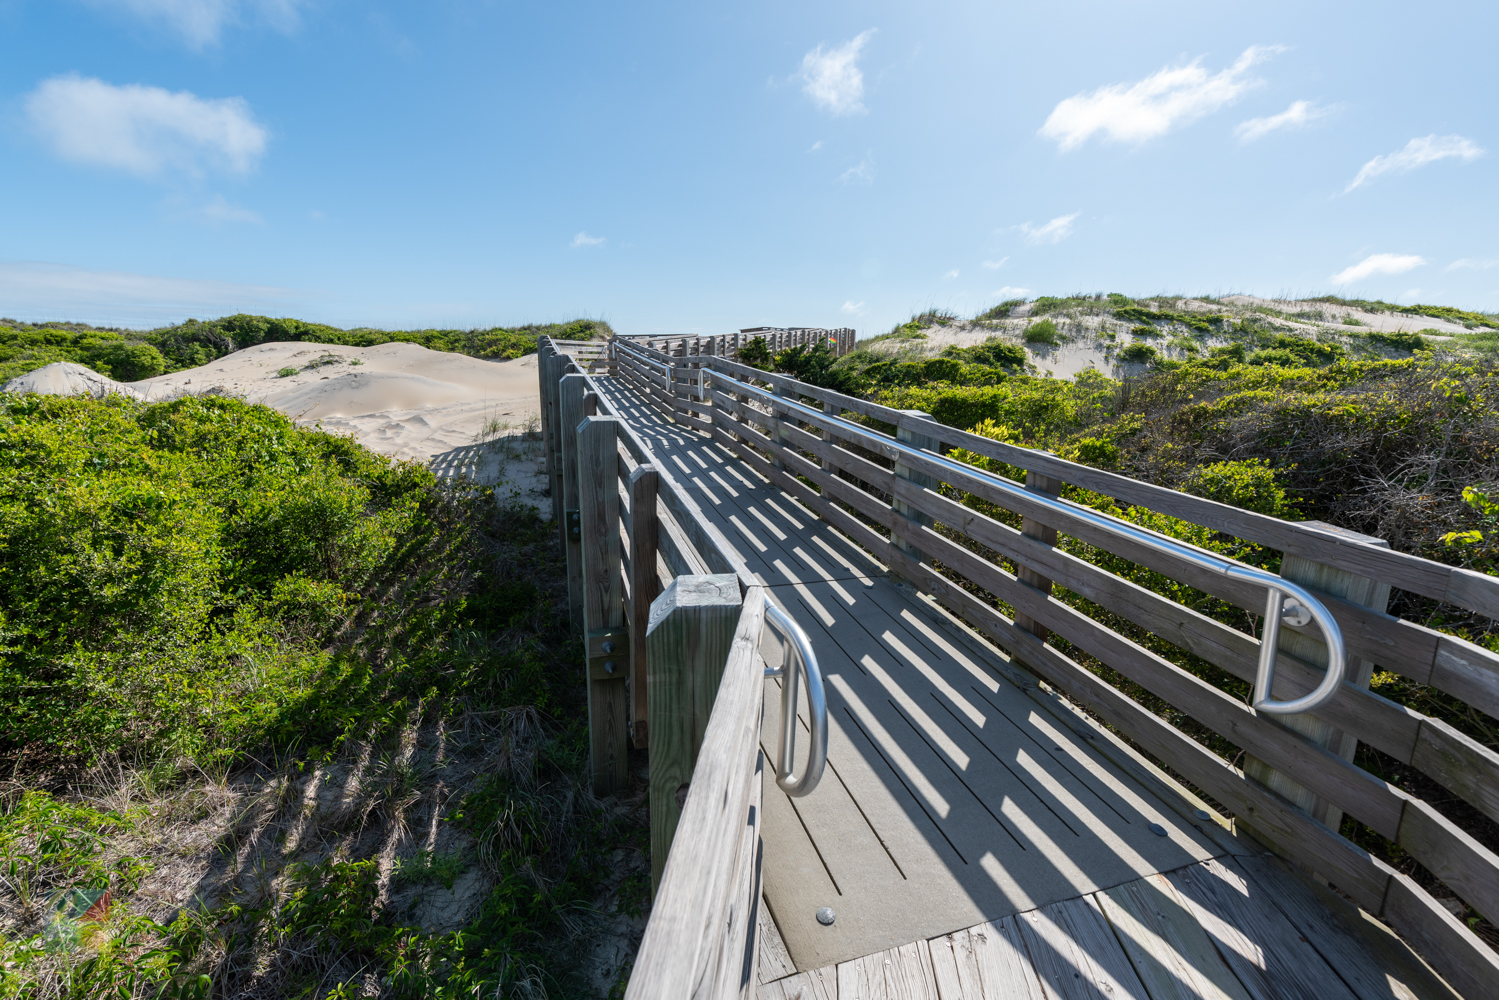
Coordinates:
[826,916]
[608,646]
[609,666]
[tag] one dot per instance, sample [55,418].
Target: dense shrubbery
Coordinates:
[198,585]
[129,356]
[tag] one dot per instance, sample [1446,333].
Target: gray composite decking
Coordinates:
[972,843]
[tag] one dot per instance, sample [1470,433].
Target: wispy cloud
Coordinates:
[584,240]
[144,130]
[860,173]
[1298,115]
[201,23]
[1011,293]
[995,265]
[1379,263]
[1055,231]
[1135,112]
[219,211]
[951,275]
[1473,264]
[1417,153]
[116,298]
[852,308]
[832,78]
[815,146]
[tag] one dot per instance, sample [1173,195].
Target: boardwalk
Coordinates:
[969,836]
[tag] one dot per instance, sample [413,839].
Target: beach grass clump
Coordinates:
[1043,332]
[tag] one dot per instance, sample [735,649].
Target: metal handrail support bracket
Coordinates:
[797,646]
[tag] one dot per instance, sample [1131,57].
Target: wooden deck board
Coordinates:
[972,841]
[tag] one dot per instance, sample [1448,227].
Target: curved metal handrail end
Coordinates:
[806,668]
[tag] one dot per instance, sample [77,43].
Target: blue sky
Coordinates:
[704,167]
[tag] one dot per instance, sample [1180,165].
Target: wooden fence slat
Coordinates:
[683,938]
[570,411]
[644,551]
[603,603]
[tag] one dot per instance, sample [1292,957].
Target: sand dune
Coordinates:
[458,413]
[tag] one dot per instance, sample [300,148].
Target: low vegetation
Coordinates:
[131,355]
[283,717]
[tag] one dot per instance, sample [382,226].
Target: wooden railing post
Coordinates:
[1035,482]
[645,581]
[775,425]
[603,603]
[570,413]
[1356,590]
[919,478]
[691,629]
[546,389]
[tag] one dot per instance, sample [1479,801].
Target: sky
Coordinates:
[694,168]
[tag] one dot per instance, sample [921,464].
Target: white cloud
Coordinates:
[995,265]
[815,146]
[950,275]
[1417,153]
[144,130]
[1055,231]
[860,173]
[218,210]
[1474,264]
[202,22]
[853,308]
[584,240]
[1379,263]
[832,78]
[39,292]
[1155,105]
[1299,114]
[1006,293]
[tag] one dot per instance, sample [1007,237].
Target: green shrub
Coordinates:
[1144,331]
[286,372]
[1000,311]
[756,354]
[1139,354]
[1042,332]
[1401,340]
[1250,484]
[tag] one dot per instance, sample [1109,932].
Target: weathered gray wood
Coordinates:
[1166,945]
[1267,953]
[819,984]
[603,602]
[1041,532]
[1076,955]
[570,410]
[918,478]
[683,940]
[737,970]
[689,634]
[903,973]
[1470,965]
[1374,963]
[1470,869]
[985,962]
[644,551]
[1357,590]
[775,960]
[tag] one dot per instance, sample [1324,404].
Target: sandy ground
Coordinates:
[460,414]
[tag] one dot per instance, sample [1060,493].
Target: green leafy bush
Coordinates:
[1250,484]
[1043,332]
[1139,354]
[1401,340]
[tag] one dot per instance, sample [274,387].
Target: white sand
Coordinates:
[458,413]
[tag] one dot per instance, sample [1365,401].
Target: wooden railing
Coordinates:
[895,496]
[726,345]
[671,621]
[898,497]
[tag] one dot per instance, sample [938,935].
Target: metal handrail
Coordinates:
[1284,598]
[796,641]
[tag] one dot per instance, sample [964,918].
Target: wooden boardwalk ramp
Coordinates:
[971,841]
[1003,812]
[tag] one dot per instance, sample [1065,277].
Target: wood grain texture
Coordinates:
[775,961]
[644,581]
[903,973]
[819,984]
[603,601]
[985,962]
[1470,965]
[1076,954]
[570,408]
[1264,949]
[1168,948]
[1044,535]
[1374,963]
[690,631]
[683,943]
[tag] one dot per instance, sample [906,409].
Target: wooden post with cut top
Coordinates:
[691,630]
[1035,482]
[603,602]
[645,582]
[572,389]
[1305,645]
